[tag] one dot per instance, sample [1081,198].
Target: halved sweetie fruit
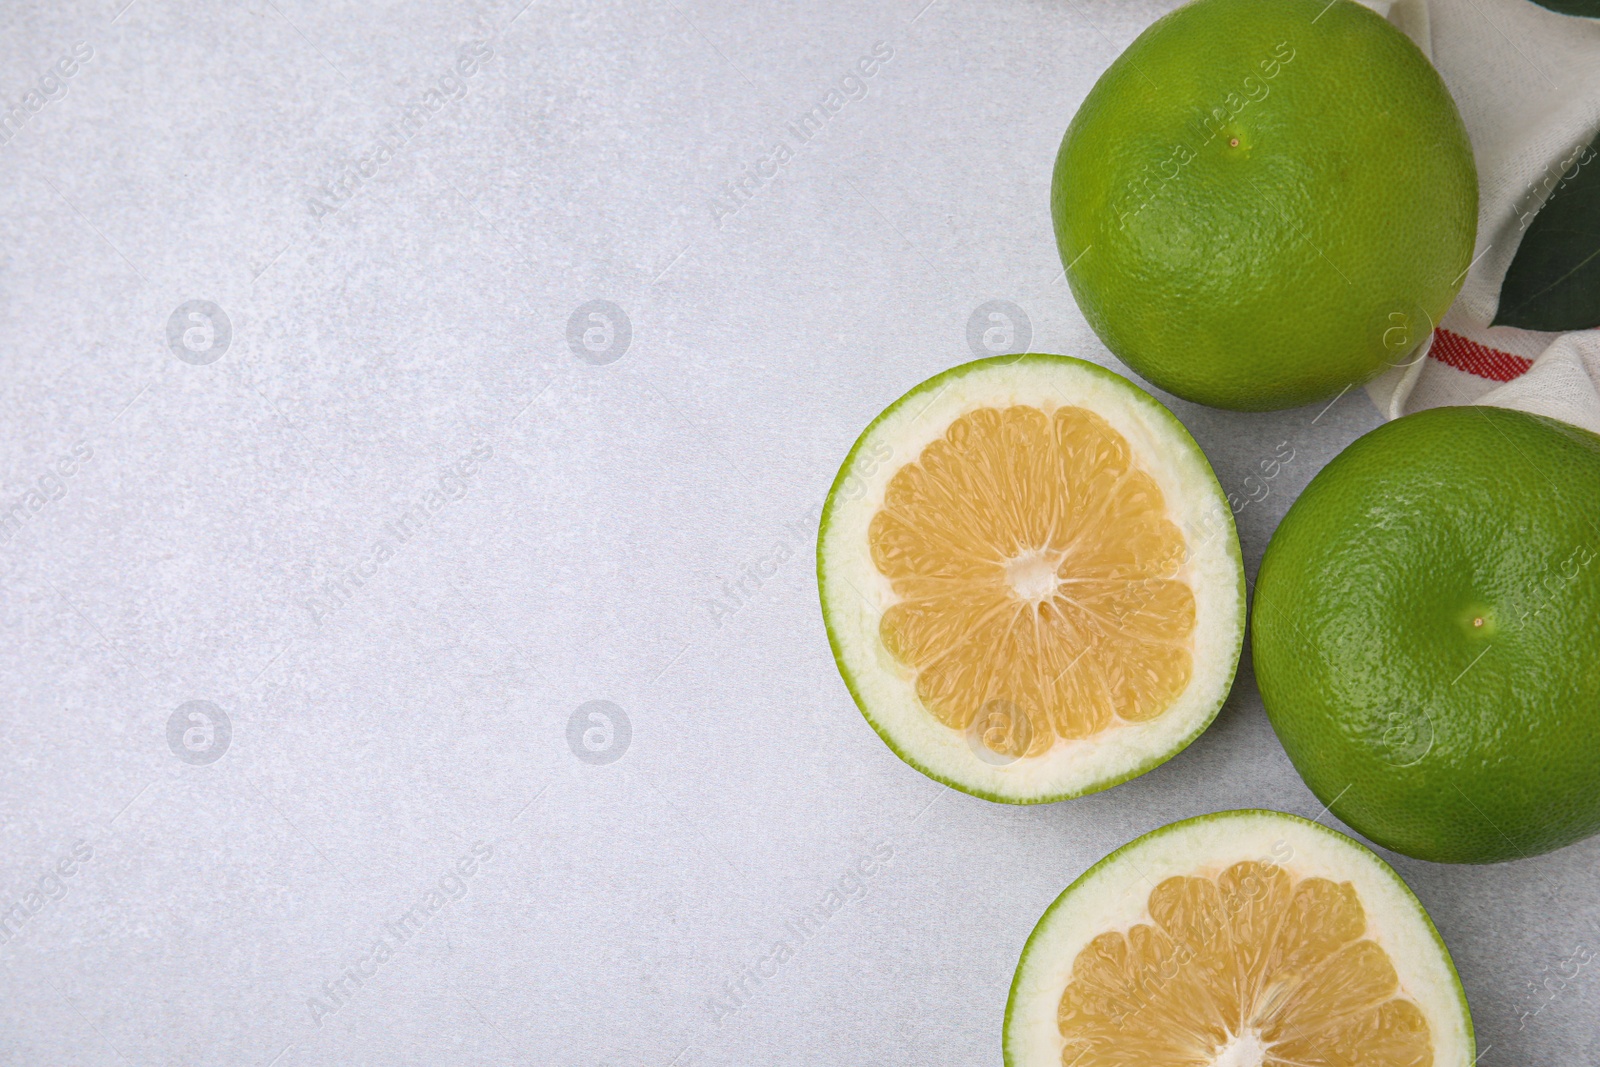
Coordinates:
[1031,579]
[1240,939]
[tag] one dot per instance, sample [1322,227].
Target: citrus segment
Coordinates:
[1031,580]
[1037,566]
[1242,939]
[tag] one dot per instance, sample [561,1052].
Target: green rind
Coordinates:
[1232,539]
[1411,524]
[1276,275]
[1044,920]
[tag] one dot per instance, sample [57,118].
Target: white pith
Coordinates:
[1114,895]
[855,594]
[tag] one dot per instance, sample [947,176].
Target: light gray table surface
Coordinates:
[370,501]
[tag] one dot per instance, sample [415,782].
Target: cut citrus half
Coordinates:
[1241,939]
[1031,579]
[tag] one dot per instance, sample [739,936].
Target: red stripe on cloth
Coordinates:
[1456,351]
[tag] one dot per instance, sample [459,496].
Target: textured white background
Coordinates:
[374,346]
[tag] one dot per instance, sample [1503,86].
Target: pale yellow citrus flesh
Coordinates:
[1037,571]
[1247,968]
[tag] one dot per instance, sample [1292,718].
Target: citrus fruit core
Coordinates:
[1031,579]
[1037,567]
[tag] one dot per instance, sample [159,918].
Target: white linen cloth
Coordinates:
[1527,82]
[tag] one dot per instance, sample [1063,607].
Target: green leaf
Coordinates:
[1586,8]
[1554,280]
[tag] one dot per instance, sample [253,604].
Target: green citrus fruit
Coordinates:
[1425,630]
[1240,939]
[1262,202]
[1031,579]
